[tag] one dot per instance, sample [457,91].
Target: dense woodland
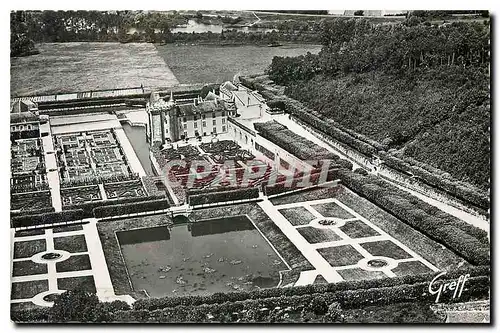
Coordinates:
[421,88]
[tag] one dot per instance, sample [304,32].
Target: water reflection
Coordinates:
[202,257]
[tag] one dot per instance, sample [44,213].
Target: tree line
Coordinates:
[358,46]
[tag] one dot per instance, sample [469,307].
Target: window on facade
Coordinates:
[185,126]
[204,133]
[203,116]
[29,127]
[22,127]
[184,119]
[195,117]
[213,114]
[195,125]
[223,128]
[185,134]
[204,124]
[214,130]
[214,122]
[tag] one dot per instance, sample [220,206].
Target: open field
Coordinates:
[207,63]
[64,67]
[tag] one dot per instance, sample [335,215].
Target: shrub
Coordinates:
[223,196]
[46,218]
[318,305]
[217,298]
[88,207]
[129,208]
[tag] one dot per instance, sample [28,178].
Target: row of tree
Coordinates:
[359,46]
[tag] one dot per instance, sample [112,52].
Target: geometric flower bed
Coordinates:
[127,189]
[30,201]
[78,195]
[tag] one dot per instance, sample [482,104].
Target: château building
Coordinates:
[170,121]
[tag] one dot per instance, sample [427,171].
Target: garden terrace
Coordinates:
[78,195]
[30,201]
[292,142]
[127,189]
[85,156]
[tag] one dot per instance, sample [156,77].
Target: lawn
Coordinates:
[360,274]
[28,289]
[316,235]
[386,249]
[331,209]
[72,244]
[343,255]
[74,263]
[207,63]
[411,268]
[297,215]
[28,267]
[26,249]
[358,229]
[83,283]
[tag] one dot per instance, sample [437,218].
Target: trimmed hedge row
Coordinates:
[152,304]
[454,187]
[33,211]
[88,207]
[222,196]
[128,208]
[259,310]
[292,142]
[419,215]
[313,178]
[46,218]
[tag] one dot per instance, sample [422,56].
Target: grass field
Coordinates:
[343,255]
[210,63]
[315,235]
[28,289]
[297,215]
[28,248]
[64,67]
[82,283]
[72,244]
[74,263]
[28,267]
[358,229]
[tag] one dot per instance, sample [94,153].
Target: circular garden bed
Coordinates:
[51,256]
[377,263]
[50,297]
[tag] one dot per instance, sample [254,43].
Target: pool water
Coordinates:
[137,137]
[204,257]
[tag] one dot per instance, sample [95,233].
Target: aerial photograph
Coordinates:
[250,166]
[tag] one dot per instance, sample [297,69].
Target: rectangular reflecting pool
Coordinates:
[199,258]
